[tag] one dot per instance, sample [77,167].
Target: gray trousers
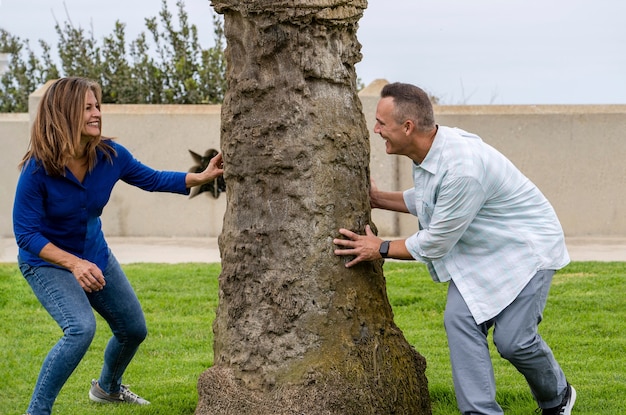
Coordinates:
[517,340]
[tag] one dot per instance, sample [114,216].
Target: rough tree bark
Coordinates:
[296,332]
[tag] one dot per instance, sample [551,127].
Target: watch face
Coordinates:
[384,249]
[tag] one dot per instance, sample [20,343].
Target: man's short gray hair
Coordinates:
[411,103]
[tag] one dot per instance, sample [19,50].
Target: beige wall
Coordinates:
[160,136]
[573,153]
[13,142]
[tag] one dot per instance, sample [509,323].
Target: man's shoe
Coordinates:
[565,408]
[97,394]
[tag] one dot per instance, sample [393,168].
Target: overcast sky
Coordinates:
[463,51]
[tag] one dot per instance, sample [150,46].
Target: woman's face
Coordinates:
[91,117]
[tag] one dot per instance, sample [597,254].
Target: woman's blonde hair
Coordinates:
[56,132]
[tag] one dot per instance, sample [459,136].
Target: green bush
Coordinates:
[166,66]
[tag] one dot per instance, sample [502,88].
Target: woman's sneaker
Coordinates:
[97,394]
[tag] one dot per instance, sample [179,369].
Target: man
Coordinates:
[487,230]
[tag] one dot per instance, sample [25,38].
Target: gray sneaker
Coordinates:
[97,394]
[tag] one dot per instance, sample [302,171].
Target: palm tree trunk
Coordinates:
[295,331]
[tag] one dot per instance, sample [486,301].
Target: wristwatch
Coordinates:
[384,249]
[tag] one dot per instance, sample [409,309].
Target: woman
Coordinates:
[67,176]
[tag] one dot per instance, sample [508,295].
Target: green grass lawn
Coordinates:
[585,324]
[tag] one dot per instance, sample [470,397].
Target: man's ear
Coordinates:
[408,127]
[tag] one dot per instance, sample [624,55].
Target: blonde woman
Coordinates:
[67,176]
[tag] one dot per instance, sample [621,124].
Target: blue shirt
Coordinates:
[65,212]
[483,224]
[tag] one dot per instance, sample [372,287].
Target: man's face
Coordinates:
[394,134]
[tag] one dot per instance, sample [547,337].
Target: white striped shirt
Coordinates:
[483,224]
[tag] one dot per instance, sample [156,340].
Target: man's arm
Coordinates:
[366,247]
[393,201]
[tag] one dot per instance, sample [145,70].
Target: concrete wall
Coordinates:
[575,154]
[13,142]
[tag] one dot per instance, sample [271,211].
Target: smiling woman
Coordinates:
[67,177]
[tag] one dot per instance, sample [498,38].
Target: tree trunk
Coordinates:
[296,332]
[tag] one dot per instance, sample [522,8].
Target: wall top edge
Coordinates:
[529,109]
[191,109]
[172,109]
[14,116]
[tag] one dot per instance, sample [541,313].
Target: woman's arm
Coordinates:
[88,275]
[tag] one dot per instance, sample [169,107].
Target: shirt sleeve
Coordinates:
[138,174]
[459,201]
[28,210]
[409,201]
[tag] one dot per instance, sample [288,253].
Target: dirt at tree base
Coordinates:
[222,394]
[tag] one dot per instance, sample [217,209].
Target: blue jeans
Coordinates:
[71,307]
[517,340]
